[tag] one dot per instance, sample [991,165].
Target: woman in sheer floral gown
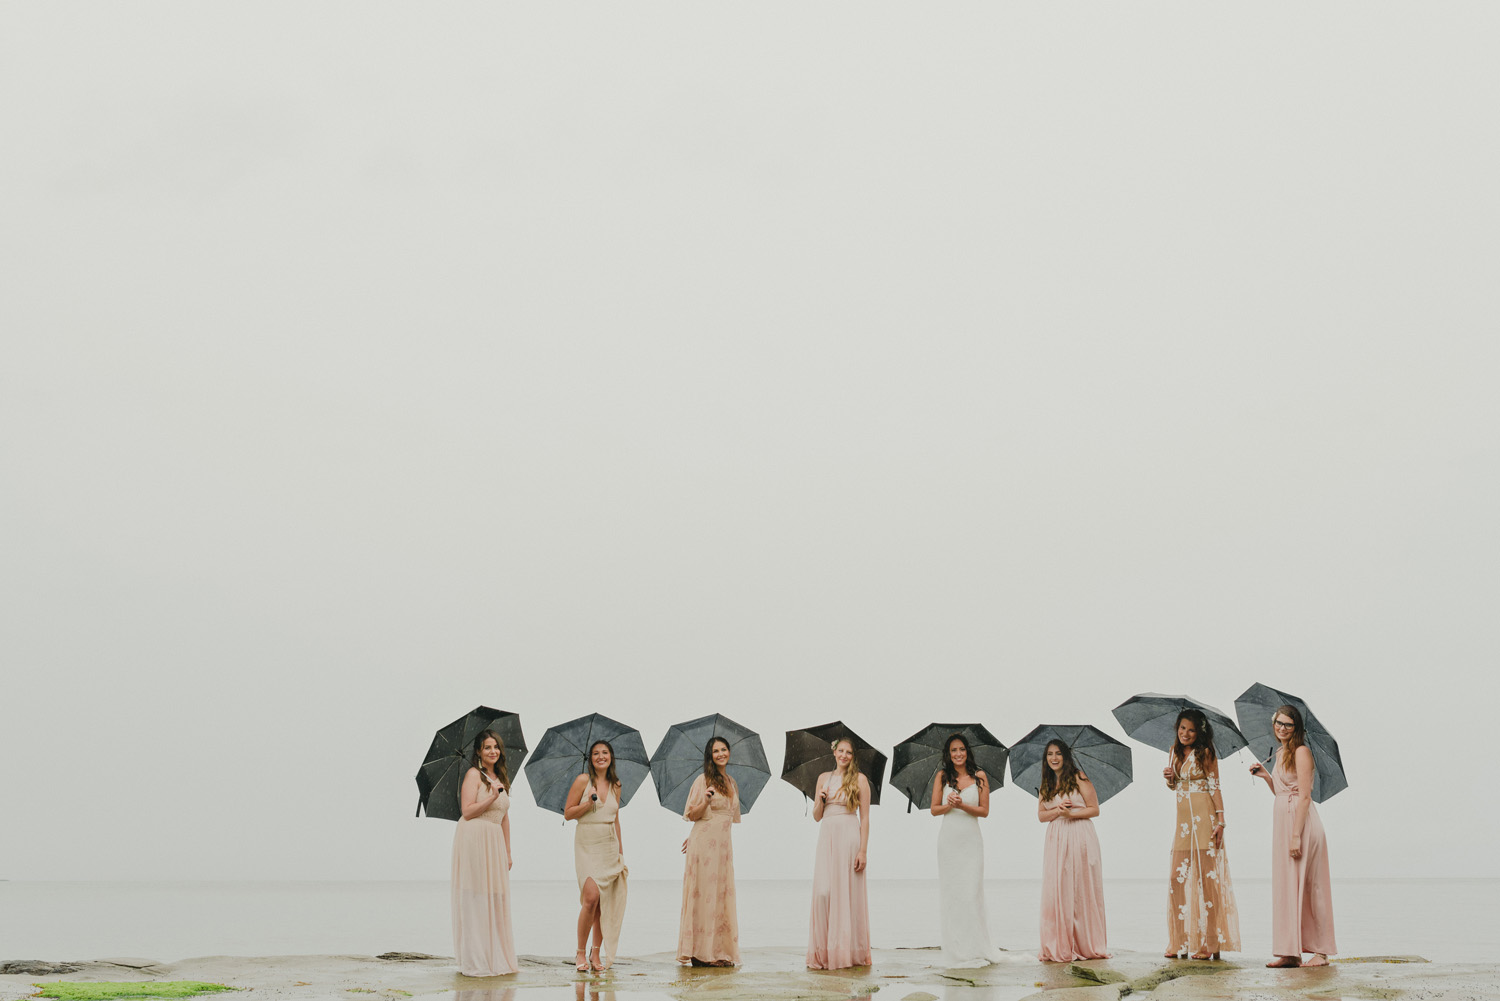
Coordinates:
[1202,920]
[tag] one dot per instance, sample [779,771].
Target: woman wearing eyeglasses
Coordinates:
[1301,891]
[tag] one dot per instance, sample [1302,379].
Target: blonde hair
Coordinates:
[850,788]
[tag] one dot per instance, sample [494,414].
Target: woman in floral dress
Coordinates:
[1202,920]
[709,932]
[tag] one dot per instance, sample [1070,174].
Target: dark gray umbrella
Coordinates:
[559,759]
[1258,705]
[1101,757]
[448,759]
[679,760]
[1152,719]
[809,753]
[917,759]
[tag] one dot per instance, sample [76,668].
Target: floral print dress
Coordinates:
[1201,915]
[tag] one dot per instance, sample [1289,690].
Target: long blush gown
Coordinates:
[1301,890]
[481,895]
[839,929]
[596,856]
[1072,887]
[709,930]
[961,912]
[1201,913]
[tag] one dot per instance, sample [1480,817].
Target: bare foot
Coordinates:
[1284,962]
[1317,960]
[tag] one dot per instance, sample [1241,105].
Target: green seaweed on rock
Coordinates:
[71,990]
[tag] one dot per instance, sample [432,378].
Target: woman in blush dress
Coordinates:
[839,929]
[709,932]
[961,795]
[1301,890]
[1202,920]
[1072,872]
[598,855]
[481,865]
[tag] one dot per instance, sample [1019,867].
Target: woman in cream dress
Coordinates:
[961,796]
[594,801]
[1202,920]
[1301,888]
[709,931]
[481,865]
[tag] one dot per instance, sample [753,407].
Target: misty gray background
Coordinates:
[365,362]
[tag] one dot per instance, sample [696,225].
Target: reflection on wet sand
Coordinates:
[488,994]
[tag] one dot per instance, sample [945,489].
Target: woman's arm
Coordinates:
[510,858]
[578,801]
[864,824]
[821,796]
[938,806]
[471,801]
[697,802]
[1217,799]
[982,808]
[1304,762]
[1170,772]
[1259,771]
[1044,815]
[1090,799]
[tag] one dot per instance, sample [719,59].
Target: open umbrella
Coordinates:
[809,753]
[559,759]
[1255,709]
[1152,719]
[448,759]
[917,758]
[1101,757]
[679,760]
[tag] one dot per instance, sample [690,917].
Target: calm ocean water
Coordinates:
[1443,920]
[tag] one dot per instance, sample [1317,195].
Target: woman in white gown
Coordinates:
[961,795]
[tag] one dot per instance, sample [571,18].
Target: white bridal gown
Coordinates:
[965,929]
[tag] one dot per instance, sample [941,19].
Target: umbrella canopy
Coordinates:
[917,759]
[1255,709]
[448,759]
[1101,757]
[809,753]
[1152,719]
[679,760]
[559,759]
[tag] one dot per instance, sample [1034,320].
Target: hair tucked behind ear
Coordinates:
[478,762]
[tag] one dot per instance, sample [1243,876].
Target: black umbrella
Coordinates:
[1258,705]
[917,759]
[809,753]
[1101,757]
[448,759]
[558,759]
[1152,719]
[679,760]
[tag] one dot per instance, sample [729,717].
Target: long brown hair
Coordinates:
[712,774]
[1203,744]
[478,762]
[851,775]
[950,771]
[1062,782]
[610,775]
[1296,740]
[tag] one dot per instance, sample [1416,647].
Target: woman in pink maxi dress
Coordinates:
[708,933]
[839,927]
[1072,872]
[1301,889]
[481,865]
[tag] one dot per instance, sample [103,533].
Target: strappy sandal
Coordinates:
[583,963]
[594,963]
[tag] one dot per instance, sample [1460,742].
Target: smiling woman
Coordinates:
[709,931]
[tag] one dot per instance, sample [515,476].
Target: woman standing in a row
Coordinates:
[598,856]
[839,928]
[961,795]
[1072,870]
[709,931]
[1301,891]
[481,865]
[1202,920]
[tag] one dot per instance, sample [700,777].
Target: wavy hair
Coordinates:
[1296,740]
[500,773]
[1063,781]
[1203,744]
[950,771]
[850,788]
[610,775]
[716,777]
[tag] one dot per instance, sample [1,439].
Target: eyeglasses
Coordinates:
[1283,726]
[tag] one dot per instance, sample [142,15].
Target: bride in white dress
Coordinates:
[961,795]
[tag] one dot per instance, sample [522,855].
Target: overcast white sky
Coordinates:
[365,362]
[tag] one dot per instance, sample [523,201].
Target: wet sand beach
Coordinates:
[778,975]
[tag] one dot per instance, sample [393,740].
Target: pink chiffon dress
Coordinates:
[1072,888]
[839,928]
[709,929]
[481,895]
[1301,890]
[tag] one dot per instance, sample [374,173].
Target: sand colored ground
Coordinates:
[778,975]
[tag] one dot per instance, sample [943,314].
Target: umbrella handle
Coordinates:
[419,807]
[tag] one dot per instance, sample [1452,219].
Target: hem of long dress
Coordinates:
[484,976]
